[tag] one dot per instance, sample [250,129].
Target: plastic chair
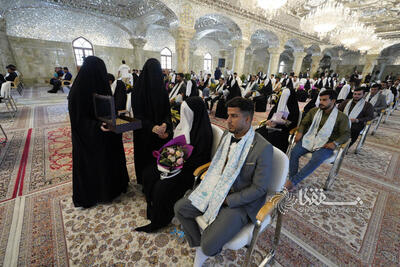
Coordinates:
[5,136]
[336,159]
[363,134]
[378,121]
[8,100]
[249,234]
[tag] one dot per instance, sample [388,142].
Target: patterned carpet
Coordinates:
[36,205]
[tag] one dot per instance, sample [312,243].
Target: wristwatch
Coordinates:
[336,143]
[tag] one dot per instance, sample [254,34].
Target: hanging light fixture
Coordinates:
[324,18]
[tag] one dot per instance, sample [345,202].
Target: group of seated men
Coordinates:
[60,75]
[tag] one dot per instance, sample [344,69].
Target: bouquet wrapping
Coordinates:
[280,117]
[172,156]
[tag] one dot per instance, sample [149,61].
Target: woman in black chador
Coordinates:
[287,102]
[99,171]
[161,195]
[150,104]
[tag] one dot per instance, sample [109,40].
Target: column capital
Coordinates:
[183,33]
[316,57]
[371,57]
[276,50]
[241,43]
[138,42]
[299,54]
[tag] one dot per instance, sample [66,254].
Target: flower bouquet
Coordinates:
[172,156]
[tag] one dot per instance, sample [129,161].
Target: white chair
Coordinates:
[5,136]
[8,100]
[248,236]
[336,159]
[217,135]
[378,121]
[363,134]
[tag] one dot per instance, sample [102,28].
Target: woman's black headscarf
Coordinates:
[201,133]
[150,99]
[91,78]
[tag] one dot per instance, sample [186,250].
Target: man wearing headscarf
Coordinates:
[99,171]
[161,195]
[150,105]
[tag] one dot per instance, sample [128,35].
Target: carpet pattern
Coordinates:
[51,114]
[10,155]
[6,214]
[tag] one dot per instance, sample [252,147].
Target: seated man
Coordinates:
[376,99]
[320,132]
[56,80]
[359,112]
[10,77]
[234,188]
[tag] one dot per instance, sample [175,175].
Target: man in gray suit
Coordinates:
[246,195]
[379,103]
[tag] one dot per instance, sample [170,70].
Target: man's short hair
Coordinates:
[331,93]
[123,61]
[376,85]
[181,75]
[209,74]
[110,77]
[235,73]
[65,68]
[357,89]
[245,105]
[222,78]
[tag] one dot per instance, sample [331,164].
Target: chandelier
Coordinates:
[324,18]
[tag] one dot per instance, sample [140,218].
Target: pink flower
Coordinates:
[179,161]
[171,151]
[171,158]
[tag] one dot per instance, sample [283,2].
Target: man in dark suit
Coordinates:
[247,193]
[366,114]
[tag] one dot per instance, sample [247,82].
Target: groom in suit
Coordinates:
[246,195]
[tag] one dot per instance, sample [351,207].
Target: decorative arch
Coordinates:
[166,58]
[263,39]
[82,48]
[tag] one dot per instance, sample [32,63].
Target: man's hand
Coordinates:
[298,137]
[270,123]
[330,145]
[354,120]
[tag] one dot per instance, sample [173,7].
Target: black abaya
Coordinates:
[150,104]
[99,171]
[161,195]
[221,110]
[280,139]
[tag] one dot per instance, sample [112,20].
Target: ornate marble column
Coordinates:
[6,54]
[191,57]
[370,62]
[183,36]
[298,61]
[334,63]
[249,68]
[240,53]
[138,57]
[315,64]
[274,55]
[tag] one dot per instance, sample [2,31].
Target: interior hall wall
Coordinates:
[344,70]
[36,59]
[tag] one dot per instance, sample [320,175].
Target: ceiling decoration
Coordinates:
[382,15]
[217,27]
[129,9]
